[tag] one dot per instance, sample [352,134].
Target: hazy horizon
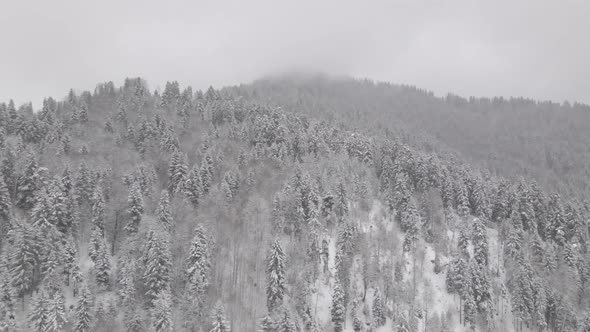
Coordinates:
[532,49]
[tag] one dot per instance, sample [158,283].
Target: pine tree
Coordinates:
[5,202]
[23,257]
[98,209]
[480,242]
[267,325]
[135,211]
[219,322]
[82,184]
[132,318]
[286,324]
[341,201]
[193,186]
[338,310]
[162,312]
[56,313]
[275,288]
[378,309]
[38,313]
[177,170]
[8,169]
[158,263]
[102,263]
[164,215]
[84,311]
[28,183]
[462,200]
[199,263]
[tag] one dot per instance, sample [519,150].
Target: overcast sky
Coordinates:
[533,48]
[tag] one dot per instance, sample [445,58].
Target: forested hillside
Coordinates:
[127,209]
[543,140]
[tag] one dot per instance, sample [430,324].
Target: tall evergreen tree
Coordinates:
[338,311]
[219,322]
[275,288]
[162,312]
[84,311]
[199,264]
[98,209]
[5,202]
[177,170]
[56,313]
[158,263]
[28,183]
[135,211]
[164,215]
[38,313]
[378,309]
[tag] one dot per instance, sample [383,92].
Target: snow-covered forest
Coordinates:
[292,205]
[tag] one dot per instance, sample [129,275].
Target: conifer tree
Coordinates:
[132,318]
[286,324]
[480,242]
[28,183]
[177,170]
[338,310]
[275,288]
[102,263]
[267,324]
[199,263]
[38,313]
[135,211]
[5,202]
[158,263]
[8,169]
[84,311]
[98,209]
[164,215]
[83,184]
[193,186]
[24,257]
[162,312]
[56,313]
[341,201]
[378,309]
[219,322]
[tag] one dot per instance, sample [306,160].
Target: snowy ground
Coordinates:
[439,301]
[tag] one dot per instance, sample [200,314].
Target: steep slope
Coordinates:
[177,210]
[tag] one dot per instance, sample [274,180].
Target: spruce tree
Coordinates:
[135,211]
[275,288]
[193,186]
[38,313]
[338,310]
[378,309]
[480,242]
[28,183]
[199,263]
[23,257]
[102,263]
[158,263]
[56,313]
[219,322]
[84,311]
[177,170]
[161,313]
[98,209]
[5,202]
[164,215]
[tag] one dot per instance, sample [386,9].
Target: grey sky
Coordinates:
[534,48]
